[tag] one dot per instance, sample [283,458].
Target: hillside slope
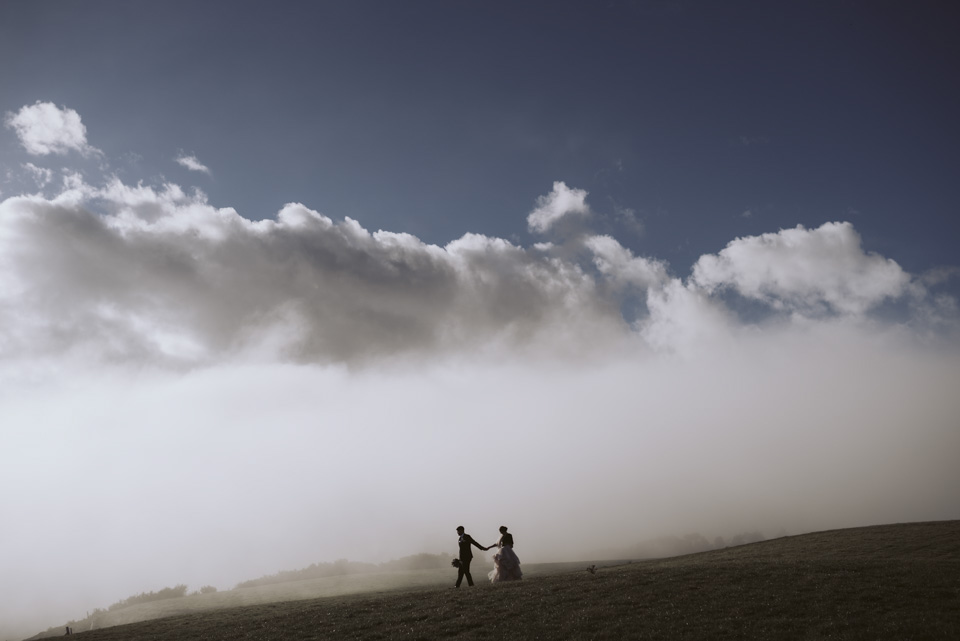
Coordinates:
[882,582]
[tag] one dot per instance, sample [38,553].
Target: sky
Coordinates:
[283,283]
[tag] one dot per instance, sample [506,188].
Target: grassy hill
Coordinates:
[882,582]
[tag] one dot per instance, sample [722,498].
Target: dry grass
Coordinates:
[884,582]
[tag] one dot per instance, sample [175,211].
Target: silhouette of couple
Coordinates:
[506,565]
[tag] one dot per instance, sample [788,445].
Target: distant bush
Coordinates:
[313,571]
[208,589]
[147,597]
[342,567]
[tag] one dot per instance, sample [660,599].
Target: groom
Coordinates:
[466,555]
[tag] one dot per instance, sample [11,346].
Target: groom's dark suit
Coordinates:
[466,555]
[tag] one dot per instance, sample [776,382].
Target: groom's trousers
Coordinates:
[464,571]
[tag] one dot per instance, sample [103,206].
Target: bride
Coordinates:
[506,565]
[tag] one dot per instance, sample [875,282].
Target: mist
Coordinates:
[131,480]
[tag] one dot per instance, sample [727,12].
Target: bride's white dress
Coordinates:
[506,566]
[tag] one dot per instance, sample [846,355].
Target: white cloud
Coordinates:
[804,271]
[684,320]
[560,202]
[191,163]
[43,128]
[161,261]
[134,272]
[617,262]
[41,175]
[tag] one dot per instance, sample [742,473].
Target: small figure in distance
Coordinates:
[592,569]
[466,555]
[506,565]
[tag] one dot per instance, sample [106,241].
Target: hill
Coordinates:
[882,582]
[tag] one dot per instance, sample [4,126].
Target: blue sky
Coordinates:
[281,282]
[439,119]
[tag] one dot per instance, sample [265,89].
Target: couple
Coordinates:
[506,565]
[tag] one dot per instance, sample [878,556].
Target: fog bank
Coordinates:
[132,480]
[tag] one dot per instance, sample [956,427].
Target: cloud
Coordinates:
[158,263]
[684,320]
[559,203]
[43,128]
[137,273]
[191,163]
[823,270]
[628,219]
[41,175]
[619,264]
[940,275]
